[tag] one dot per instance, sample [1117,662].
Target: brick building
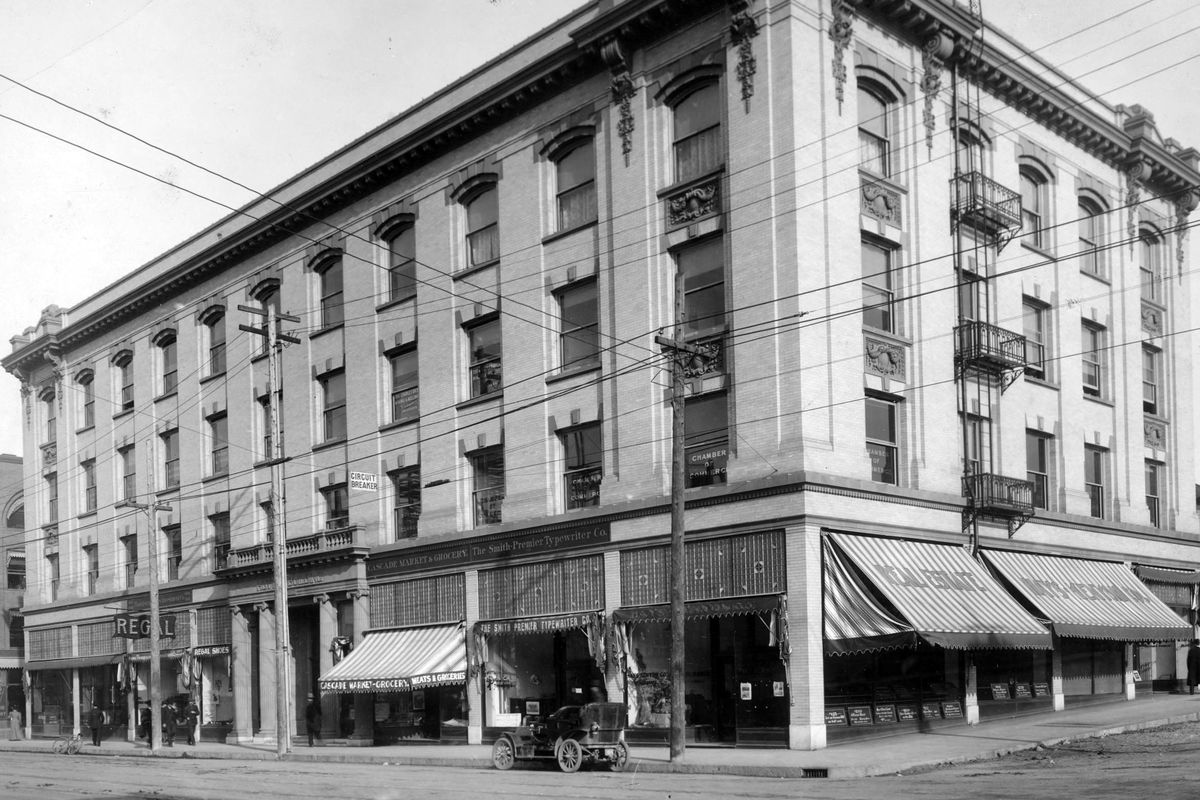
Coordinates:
[933,281]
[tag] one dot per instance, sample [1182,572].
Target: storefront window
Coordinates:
[865,689]
[435,713]
[533,674]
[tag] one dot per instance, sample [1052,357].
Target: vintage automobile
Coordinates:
[572,736]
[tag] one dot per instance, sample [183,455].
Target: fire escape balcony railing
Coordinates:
[999,497]
[981,202]
[987,347]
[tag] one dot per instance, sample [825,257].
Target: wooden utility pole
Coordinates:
[155,678]
[283,717]
[677,349]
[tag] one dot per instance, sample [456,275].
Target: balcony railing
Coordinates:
[999,496]
[988,347]
[322,541]
[982,203]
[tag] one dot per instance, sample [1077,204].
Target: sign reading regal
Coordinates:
[137,626]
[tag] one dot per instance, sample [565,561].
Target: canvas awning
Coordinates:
[855,622]
[1089,599]
[400,660]
[700,609]
[944,595]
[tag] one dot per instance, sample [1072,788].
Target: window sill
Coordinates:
[85,514]
[480,400]
[327,329]
[1041,251]
[123,413]
[166,491]
[1099,401]
[471,270]
[215,477]
[167,395]
[894,337]
[384,306]
[84,429]
[681,185]
[328,444]
[400,423]
[570,372]
[1036,381]
[211,378]
[883,180]
[565,232]
[1096,277]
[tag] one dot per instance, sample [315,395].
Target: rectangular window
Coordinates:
[52,498]
[483,227]
[706,439]
[52,572]
[337,507]
[216,345]
[218,440]
[584,457]
[576,184]
[1150,267]
[1093,360]
[89,485]
[16,629]
[406,508]
[1037,467]
[128,472]
[220,539]
[1090,238]
[977,455]
[333,415]
[485,366]
[1033,203]
[126,377]
[873,133]
[170,445]
[487,467]
[1151,376]
[170,365]
[878,292]
[883,443]
[697,134]
[703,269]
[91,557]
[51,406]
[1093,476]
[174,537]
[16,574]
[579,337]
[268,521]
[1034,327]
[129,549]
[88,388]
[406,395]
[330,278]
[1154,488]
[264,404]
[402,264]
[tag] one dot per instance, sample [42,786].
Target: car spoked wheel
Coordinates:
[570,755]
[620,757]
[503,756]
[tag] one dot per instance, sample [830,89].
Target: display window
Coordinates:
[868,691]
[533,674]
[434,713]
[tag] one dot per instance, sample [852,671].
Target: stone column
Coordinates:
[805,626]
[75,699]
[971,693]
[1056,674]
[474,688]
[131,707]
[364,706]
[327,629]
[266,672]
[240,653]
[1130,686]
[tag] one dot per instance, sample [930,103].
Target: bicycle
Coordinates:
[68,744]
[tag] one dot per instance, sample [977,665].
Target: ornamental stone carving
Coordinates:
[885,358]
[937,49]
[1154,434]
[742,29]
[881,202]
[840,32]
[49,455]
[694,202]
[1152,321]
[1136,172]
[623,90]
[1184,206]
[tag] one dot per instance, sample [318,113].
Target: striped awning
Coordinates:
[945,596]
[701,609]
[1089,599]
[855,622]
[400,660]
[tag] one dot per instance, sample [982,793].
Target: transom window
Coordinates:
[575,174]
[697,140]
[483,227]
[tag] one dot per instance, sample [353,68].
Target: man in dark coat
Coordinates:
[96,722]
[312,719]
[1193,666]
[169,720]
[191,720]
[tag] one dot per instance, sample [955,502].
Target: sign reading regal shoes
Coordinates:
[137,626]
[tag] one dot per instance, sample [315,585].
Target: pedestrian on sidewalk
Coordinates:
[191,719]
[1193,665]
[96,723]
[168,714]
[312,720]
[15,734]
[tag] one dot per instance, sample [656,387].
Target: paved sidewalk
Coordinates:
[876,756]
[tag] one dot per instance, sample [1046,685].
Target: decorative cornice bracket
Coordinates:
[841,30]
[623,89]
[742,30]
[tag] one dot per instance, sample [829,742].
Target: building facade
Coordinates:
[909,259]
[12,632]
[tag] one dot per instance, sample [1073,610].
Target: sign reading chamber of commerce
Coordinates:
[485,549]
[137,626]
[364,481]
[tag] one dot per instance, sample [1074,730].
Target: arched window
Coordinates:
[1034,208]
[1091,237]
[50,405]
[168,363]
[214,342]
[875,145]
[124,380]
[697,132]
[483,226]
[1150,266]
[575,185]
[87,391]
[402,262]
[329,276]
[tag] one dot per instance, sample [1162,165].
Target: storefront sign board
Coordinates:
[393,684]
[534,624]
[999,691]
[931,711]
[952,709]
[1041,689]
[484,549]
[885,714]
[166,598]
[132,626]
[835,715]
[1023,690]
[364,481]
[211,650]
[860,715]
[907,713]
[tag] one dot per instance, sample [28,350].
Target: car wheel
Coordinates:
[570,755]
[503,754]
[59,746]
[620,757]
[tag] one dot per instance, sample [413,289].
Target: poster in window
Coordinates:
[1041,689]
[777,688]
[931,711]
[906,712]
[747,692]
[418,700]
[1022,690]
[952,709]
[861,715]
[835,715]
[885,714]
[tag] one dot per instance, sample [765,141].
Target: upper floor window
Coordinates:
[1093,359]
[971,152]
[483,226]
[1033,323]
[879,294]
[977,452]
[337,506]
[87,390]
[53,573]
[268,300]
[170,450]
[483,342]
[706,438]
[267,518]
[575,183]
[883,439]
[1094,479]
[50,404]
[214,341]
[402,263]
[264,404]
[406,395]
[579,335]
[168,364]
[129,550]
[1091,238]
[1154,490]
[333,414]
[329,278]
[89,485]
[218,442]
[124,364]
[703,269]
[697,133]
[1151,380]
[219,523]
[91,558]
[1037,467]
[406,501]
[1034,205]
[874,131]
[1150,267]
[128,472]
[487,470]
[52,498]
[584,457]
[174,536]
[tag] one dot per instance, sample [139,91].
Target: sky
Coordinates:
[260,89]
